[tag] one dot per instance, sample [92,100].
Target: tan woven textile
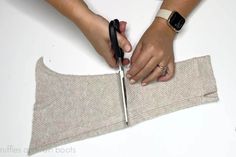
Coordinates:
[69,108]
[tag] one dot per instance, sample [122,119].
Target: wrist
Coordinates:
[82,15]
[163,25]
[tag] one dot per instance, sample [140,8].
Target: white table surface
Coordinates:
[31,28]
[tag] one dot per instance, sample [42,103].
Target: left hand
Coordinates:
[154,48]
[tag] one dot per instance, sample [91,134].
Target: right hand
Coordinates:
[97,32]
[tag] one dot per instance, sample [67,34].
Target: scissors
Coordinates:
[114,26]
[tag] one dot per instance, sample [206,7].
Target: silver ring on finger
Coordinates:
[164,69]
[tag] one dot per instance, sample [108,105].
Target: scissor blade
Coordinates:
[123,89]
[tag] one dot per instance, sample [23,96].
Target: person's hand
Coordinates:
[153,51]
[97,32]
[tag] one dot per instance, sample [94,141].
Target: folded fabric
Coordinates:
[69,108]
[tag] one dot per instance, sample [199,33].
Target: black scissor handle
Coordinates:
[114,27]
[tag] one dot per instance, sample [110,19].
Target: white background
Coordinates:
[31,28]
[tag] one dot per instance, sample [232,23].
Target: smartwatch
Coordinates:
[174,19]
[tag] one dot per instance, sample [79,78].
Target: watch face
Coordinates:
[176,21]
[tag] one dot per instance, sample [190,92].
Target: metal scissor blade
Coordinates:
[119,56]
[123,90]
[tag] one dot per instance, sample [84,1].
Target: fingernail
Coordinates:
[127,47]
[128,76]
[143,84]
[132,81]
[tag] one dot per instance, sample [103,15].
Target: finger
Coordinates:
[170,72]
[138,64]
[123,27]
[136,53]
[125,61]
[111,61]
[124,43]
[145,71]
[156,73]
[109,57]
[152,77]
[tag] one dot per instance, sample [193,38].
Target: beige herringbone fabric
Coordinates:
[72,107]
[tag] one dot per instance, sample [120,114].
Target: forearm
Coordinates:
[75,10]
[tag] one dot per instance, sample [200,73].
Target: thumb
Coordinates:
[122,27]
[122,40]
[124,43]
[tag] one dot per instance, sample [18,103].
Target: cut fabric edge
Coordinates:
[42,66]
